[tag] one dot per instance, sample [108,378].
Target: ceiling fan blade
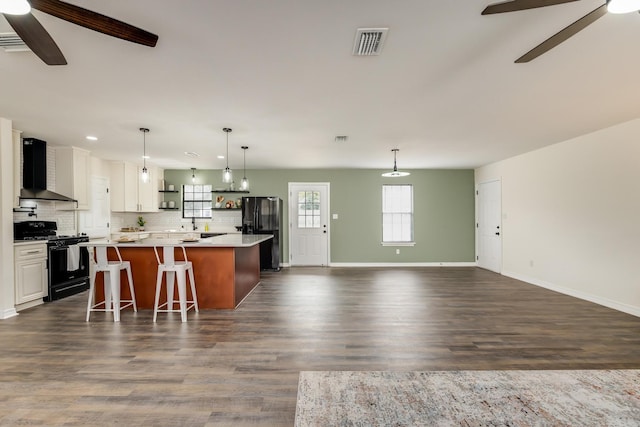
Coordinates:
[515,5]
[37,38]
[564,34]
[95,21]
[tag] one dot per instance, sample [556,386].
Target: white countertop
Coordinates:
[223,241]
[225,230]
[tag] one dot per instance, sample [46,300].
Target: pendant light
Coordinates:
[145,173]
[15,7]
[244,185]
[395,172]
[623,6]
[227,176]
[193,175]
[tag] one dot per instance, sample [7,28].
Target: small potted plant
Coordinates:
[141,223]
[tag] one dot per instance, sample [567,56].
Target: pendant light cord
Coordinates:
[144,149]
[226,174]
[144,146]
[227,130]
[244,161]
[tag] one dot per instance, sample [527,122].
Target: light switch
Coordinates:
[334,216]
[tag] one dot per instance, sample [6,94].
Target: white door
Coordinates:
[95,222]
[489,226]
[308,224]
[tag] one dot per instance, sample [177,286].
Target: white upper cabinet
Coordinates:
[129,193]
[72,176]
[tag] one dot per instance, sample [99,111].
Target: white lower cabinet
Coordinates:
[30,274]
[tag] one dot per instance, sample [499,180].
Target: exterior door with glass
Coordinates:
[308,224]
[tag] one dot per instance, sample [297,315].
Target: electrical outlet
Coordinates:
[397,251]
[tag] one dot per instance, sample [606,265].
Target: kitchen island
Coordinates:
[226,268]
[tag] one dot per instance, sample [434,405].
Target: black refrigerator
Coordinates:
[263,215]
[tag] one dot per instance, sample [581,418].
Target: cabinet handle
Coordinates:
[34,251]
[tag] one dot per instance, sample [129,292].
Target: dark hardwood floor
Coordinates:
[241,367]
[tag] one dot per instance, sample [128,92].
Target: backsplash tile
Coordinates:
[46,210]
[173,220]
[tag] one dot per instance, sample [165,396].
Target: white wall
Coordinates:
[7,299]
[571,216]
[99,167]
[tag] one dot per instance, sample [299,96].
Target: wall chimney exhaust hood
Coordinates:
[34,173]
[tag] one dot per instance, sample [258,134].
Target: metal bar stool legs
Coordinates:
[111,271]
[175,271]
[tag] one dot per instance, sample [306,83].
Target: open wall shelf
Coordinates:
[230,191]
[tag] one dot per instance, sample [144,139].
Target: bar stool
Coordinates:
[111,271]
[174,268]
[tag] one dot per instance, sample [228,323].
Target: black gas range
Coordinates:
[67,263]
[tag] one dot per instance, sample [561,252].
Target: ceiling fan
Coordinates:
[17,13]
[613,6]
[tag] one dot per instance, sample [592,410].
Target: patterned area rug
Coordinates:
[469,398]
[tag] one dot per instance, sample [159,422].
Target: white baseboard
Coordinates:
[402,264]
[625,308]
[10,312]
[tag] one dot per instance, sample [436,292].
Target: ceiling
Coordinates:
[280,73]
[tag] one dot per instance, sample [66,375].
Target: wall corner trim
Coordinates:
[625,308]
[402,264]
[8,313]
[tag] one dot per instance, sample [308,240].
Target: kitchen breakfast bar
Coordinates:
[226,267]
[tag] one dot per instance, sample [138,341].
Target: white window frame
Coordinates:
[405,208]
[310,210]
[201,194]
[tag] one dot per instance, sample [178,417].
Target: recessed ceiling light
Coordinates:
[191,154]
[221,157]
[92,138]
[146,157]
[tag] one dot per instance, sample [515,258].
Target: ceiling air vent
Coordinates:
[11,42]
[369,41]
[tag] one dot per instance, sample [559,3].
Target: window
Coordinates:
[397,214]
[196,201]
[308,209]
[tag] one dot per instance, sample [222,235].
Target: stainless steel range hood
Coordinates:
[34,173]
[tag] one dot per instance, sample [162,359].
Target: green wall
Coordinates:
[444,210]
